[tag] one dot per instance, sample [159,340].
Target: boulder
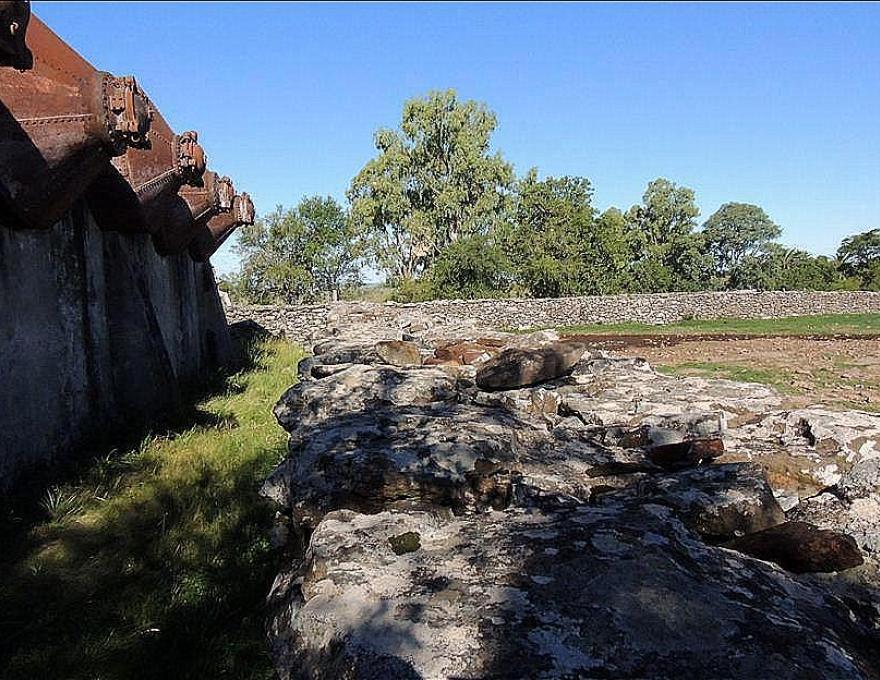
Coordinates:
[801,547]
[720,502]
[551,512]
[360,387]
[438,455]
[558,591]
[859,518]
[515,367]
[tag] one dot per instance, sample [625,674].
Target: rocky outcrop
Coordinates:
[575,517]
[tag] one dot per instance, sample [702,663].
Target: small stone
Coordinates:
[405,543]
[686,454]
[399,352]
[466,353]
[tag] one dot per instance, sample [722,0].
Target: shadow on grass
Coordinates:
[155,561]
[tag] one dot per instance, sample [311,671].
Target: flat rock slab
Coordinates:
[720,502]
[625,592]
[455,456]
[556,513]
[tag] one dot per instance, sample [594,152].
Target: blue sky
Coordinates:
[777,105]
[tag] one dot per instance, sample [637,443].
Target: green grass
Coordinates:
[825,324]
[156,562]
[777,378]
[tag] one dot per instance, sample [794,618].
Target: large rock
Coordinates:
[516,367]
[454,456]
[801,547]
[719,502]
[624,591]
[859,518]
[399,352]
[359,387]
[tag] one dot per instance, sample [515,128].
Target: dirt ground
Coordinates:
[837,371]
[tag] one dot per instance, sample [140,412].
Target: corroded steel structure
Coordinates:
[60,124]
[14,18]
[212,235]
[190,209]
[68,130]
[130,194]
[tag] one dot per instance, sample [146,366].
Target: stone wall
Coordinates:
[302,322]
[97,332]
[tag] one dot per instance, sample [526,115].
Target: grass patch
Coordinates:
[777,378]
[156,562]
[824,324]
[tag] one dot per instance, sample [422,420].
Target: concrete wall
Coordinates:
[97,331]
[305,322]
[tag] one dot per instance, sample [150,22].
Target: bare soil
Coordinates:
[841,371]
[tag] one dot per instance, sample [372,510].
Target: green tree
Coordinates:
[295,255]
[557,245]
[734,232]
[434,181]
[859,259]
[779,268]
[666,253]
[472,267]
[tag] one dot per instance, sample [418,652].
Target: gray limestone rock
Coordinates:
[520,367]
[624,591]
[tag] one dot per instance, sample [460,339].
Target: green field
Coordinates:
[155,562]
[825,324]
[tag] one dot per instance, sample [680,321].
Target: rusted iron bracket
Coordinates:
[127,113]
[14,18]
[190,210]
[60,124]
[133,193]
[212,234]
[67,129]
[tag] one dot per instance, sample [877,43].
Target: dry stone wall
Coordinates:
[303,322]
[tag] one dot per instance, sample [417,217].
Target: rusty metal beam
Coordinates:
[211,235]
[14,18]
[67,129]
[130,195]
[60,124]
[189,210]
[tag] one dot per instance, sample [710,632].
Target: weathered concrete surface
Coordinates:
[96,331]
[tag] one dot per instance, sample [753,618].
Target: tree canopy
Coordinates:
[859,257]
[433,181]
[443,215]
[295,255]
[734,232]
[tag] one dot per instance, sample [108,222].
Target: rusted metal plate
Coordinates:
[133,193]
[14,19]
[211,235]
[60,124]
[67,129]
